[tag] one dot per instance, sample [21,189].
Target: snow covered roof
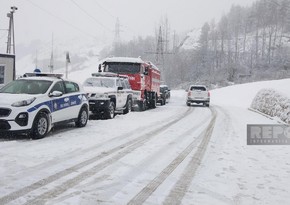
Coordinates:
[129,60]
[163,86]
[197,85]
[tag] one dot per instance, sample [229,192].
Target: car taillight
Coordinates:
[188,94]
[208,94]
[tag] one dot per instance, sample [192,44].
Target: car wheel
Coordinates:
[83,117]
[110,113]
[163,101]
[142,106]
[128,106]
[187,103]
[40,126]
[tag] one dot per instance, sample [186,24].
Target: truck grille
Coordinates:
[4,112]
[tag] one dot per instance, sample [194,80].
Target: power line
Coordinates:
[104,9]
[60,19]
[113,16]
[89,15]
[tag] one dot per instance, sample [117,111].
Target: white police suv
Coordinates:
[35,103]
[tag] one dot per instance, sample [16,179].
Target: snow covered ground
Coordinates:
[173,154]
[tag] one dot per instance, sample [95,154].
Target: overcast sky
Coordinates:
[38,19]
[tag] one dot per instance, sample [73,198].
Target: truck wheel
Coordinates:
[128,107]
[82,118]
[110,113]
[153,101]
[40,126]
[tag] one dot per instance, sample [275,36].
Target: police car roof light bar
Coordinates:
[56,75]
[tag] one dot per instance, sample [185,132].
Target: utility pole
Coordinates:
[51,66]
[160,53]
[67,61]
[117,39]
[160,48]
[36,59]
[11,36]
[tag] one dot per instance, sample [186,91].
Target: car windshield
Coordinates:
[22,86]
[100,82]
[201,88]
[126,68]
[163,89]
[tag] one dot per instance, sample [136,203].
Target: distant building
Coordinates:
[7,68]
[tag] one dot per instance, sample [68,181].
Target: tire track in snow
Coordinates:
[178,139]
[119,151]
[181,186]
[179,190]
[76,153]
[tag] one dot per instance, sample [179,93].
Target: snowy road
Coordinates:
[170,155]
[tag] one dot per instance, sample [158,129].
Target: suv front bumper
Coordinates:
[19,119]
[99,105]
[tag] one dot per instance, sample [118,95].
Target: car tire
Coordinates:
[40,126]
[187,103]
[128,107]
[154,101]
[163,101]
[142,106]
[82,118]
[110,113]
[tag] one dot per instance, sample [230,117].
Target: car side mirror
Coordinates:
[55,94]
[100,68]
[120,88]
[146,71]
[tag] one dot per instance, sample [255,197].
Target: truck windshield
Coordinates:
[126,68]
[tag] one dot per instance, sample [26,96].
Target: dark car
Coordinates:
[164,94]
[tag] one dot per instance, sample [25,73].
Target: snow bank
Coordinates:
[242,95]
[272,103]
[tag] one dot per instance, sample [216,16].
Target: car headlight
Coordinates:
[23,102]
[105,95]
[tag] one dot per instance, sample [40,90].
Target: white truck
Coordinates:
[198,94]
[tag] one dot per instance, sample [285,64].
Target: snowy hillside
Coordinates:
[192,41]
[81,53]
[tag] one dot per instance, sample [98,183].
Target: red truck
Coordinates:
[144,78]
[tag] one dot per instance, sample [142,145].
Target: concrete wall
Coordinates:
[7,68]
